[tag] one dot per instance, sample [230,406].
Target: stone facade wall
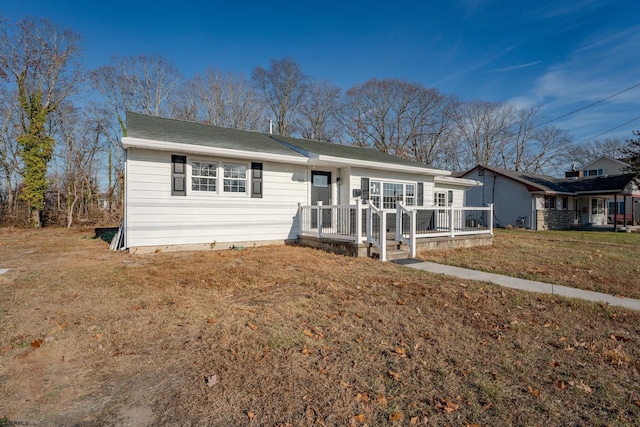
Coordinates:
[551,219]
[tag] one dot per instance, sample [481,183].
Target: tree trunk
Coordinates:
[35,218]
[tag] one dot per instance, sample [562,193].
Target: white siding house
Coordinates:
[189,185]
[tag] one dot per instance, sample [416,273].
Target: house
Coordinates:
[604,166]
[191,185]
[541,202]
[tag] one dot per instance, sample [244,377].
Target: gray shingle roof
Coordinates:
[548,184]
[179,131]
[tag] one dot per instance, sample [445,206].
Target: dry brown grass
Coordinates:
[596,261]
[294,336]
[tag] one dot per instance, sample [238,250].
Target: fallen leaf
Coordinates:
[396,416]
[359,418]
[554,363]
[308,333]
[305,350]
[563,338]
[37,343]
[362,397]
[394,375]
[584,387]
[382,400]
[344,384]
[472,425]
[400,351]
[619,338]
[400,302]
[560,385]
[414,421]
[533,392]
[251,415]
[212,380]
[212,321]
[451,407]
[445,405]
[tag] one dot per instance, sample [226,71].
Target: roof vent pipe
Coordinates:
[270,127]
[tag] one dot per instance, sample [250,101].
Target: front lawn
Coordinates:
[597,261]
[291,336]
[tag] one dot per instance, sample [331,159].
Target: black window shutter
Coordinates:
[256,180]
[421,194]
[450,197]
[364,188]
[178,175]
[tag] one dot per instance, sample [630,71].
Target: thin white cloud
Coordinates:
[513,67]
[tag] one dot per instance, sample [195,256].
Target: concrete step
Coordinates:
[393,252]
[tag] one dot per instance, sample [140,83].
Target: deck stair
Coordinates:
[395,250]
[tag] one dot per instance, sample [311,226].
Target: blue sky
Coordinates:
[560,55]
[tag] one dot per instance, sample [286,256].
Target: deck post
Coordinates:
[412,236]
[358,221]
[383,235]
[319,222]
[300,219]
[452,232]
[369,220]
[399,222]
[491,218]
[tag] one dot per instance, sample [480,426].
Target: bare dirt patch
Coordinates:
[294,336]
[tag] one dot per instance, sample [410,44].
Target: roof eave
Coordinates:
[323,160]
[458,181]
[151,144]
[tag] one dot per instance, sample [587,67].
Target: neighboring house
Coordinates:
[191,185]
[541,202]
[605,166]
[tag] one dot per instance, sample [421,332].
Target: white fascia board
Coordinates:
[178,147]
[321,160]
[457,181]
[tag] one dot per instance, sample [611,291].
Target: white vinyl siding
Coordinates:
[156,218]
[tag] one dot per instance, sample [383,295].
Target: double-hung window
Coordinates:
[410,195]
[204,176]
[387,194]
[235,178]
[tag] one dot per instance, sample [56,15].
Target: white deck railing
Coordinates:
[357,222]
[340,222]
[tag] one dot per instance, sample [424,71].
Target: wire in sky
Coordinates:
[588,106]
[610,130]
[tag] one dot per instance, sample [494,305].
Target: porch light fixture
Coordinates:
[339,181]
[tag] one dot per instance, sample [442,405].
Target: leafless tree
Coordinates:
[9,158]
[282,87]
[221,99]
[394,116]
[140,83]
[546,149]
[317,119]
[40,62]
[483,129]
[589,151]
[82,140]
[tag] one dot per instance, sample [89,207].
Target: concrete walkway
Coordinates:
[522,284]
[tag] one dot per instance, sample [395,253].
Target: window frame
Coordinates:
[213,178]
[220,178]
[439,199]
[377,193]
[223,168]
